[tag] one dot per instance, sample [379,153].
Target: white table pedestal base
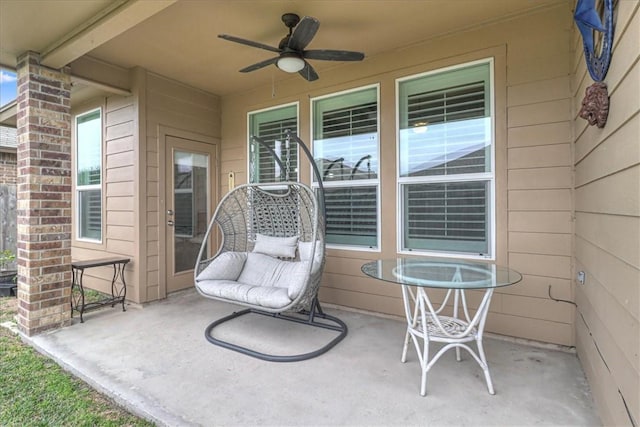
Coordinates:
[455,331]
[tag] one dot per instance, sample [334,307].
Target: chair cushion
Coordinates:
[276,246]
[305,249]
[263,270]
[227,266]
[269,297]
[264,281]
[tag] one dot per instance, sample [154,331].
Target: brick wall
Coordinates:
[8,163]
[44,196]
[8,183]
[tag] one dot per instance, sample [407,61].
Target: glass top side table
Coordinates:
[426,321]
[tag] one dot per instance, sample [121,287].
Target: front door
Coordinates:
[191,178]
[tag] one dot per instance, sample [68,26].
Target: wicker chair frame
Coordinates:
[281,209]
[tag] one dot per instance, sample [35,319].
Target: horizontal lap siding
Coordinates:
[539,192]
[176,106]
[607,230]
[120,180]
[539,185]
[119,226]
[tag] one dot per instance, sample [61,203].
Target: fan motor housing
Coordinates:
[290,20]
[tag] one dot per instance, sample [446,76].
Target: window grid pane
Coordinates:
[446,130]
[90,203]
[348,158]
[350,121]
[88,163]
[346,150]
[451,104]
[447,216]
[352,215]
[270,126]
[184,214]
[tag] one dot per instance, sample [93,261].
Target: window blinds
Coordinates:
[352,120]
[273,132]
[88,162]
[453,135]
[352,215]
[347,152]
[445,161]
[91,219]
[447,216]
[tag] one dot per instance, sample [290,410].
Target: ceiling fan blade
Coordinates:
[308,72]
[303,33]
[333,55]
[249,43]
[259,65]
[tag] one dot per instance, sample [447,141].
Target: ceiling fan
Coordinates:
[292,57]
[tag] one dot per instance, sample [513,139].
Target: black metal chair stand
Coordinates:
[305,317]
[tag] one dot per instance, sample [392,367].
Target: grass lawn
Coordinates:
[35,391]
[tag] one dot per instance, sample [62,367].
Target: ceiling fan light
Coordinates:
[290,64]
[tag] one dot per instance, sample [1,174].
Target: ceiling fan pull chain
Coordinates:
[287,146]
[273,86]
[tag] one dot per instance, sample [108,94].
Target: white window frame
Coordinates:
[80,188]
[249,143]
[475,177]
[357,183]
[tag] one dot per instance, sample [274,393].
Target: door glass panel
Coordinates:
[190,178]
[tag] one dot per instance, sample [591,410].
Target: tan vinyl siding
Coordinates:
[131,168]
[607,229]
[169,105]
[119,213]
[540,194]
[534,176]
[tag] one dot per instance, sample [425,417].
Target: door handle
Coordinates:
[170,223]
[169,212]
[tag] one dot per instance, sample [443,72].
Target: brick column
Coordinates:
[44,196]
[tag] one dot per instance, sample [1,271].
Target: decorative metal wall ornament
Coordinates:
[595,105]
[597,38]
[597,50]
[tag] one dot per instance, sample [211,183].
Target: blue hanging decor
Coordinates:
[597,38]
[588,20]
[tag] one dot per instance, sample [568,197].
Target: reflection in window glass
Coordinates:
[345,148]
[88,162]
[271,125]
[190,177]
[90,205]
[447,216]
[352,215]
[445,160]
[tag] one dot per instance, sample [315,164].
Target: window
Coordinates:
[345,148]
[190,173]
[89,175]
[445,154]
[270,125]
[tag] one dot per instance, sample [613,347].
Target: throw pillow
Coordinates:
[276,246]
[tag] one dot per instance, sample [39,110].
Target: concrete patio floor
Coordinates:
[156,362]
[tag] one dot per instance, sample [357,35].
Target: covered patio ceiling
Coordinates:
[178,39]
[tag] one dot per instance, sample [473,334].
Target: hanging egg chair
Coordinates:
[270,258]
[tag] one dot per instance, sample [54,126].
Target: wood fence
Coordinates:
[8,217]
